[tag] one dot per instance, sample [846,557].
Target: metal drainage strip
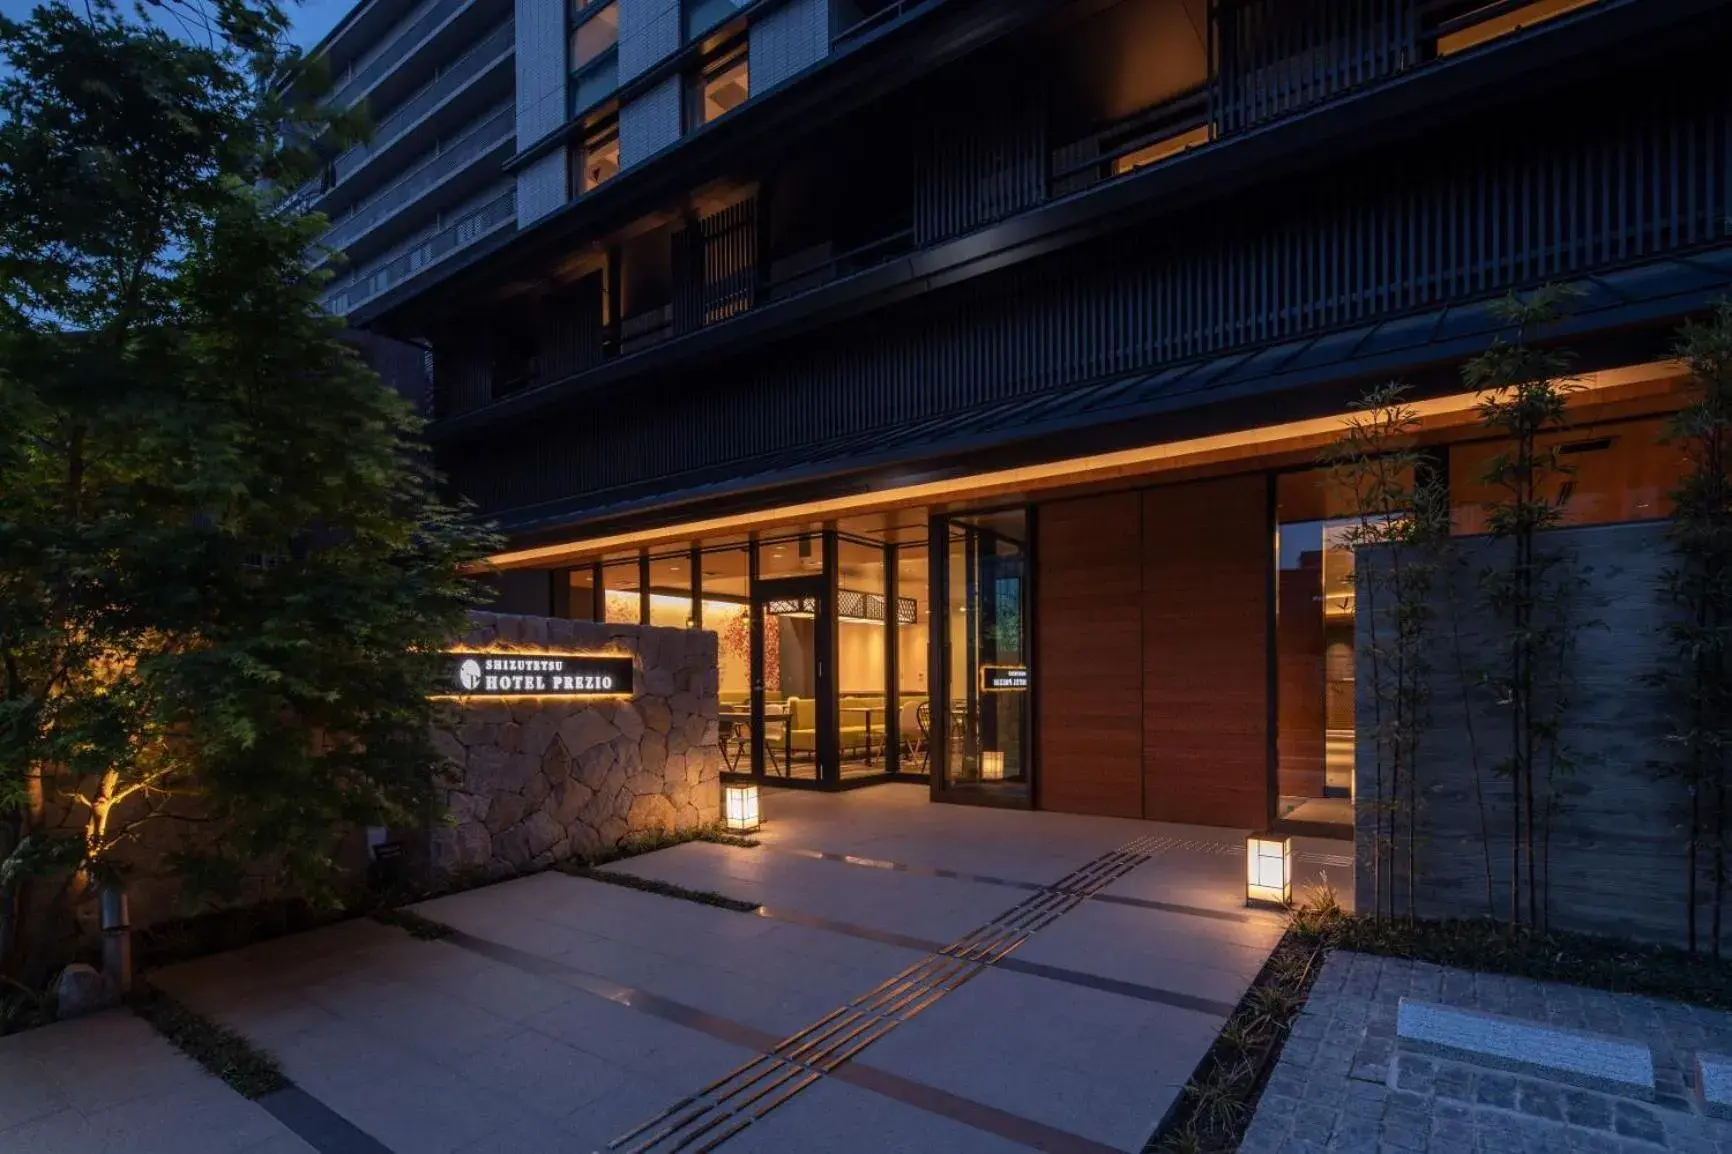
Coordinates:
[708,1118]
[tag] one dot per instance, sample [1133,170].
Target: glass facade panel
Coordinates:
[1314,646]
[722,86]
[861,631]
[914,596]
[582,605]
[1617,471]
[620,581]
[703,15]
[989,714]
[595,35]
[671,591]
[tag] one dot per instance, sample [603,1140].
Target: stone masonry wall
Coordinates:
[1617,855]
[534,781]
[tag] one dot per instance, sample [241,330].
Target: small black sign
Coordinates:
[1003,678]
[537,675]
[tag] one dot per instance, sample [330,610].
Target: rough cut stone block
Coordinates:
[1714,1084]
[1593,1061]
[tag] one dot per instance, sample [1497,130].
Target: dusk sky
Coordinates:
[312,19]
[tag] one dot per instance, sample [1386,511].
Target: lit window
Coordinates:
[594,36]
[1494,20]
[1160,150]
[722,86]
[600,159]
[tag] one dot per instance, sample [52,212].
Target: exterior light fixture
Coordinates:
[1268,870]
[992,765]
[740,808]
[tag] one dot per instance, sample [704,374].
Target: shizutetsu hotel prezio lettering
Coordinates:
[544,675]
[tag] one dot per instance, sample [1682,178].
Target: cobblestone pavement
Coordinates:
[1342,1086]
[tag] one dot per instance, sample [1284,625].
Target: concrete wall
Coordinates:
[1617,851]
[537,780]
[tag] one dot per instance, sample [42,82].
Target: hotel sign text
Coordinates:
[537,674]
[1003,678]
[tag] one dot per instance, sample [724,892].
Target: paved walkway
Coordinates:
[110,1082]
[1344,1086]
[1088,965]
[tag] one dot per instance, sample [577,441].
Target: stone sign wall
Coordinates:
[1617,853]
[534,780]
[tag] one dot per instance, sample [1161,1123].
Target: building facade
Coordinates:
[965,365]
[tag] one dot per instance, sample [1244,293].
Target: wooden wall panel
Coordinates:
[1207,549]
[1089,618]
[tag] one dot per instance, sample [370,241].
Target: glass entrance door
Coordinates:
[985,662]
[793,698]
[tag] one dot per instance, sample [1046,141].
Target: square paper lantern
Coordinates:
[992,765]
[740,808]
[1268,870]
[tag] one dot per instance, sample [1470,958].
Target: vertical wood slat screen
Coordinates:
[1645,174]
[571,329]
[716,266]
[1275,57]
[979,161]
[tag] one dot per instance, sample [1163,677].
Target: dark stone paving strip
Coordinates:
[1011,883]
[977,1115]
[318,1125]
[1012,1127]
[1017,965]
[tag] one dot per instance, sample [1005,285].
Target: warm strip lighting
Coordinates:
[1514,21]
[1247,444]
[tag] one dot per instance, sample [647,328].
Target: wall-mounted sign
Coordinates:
[1003,678]
[537,675]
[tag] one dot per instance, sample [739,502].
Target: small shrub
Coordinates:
[249,1070]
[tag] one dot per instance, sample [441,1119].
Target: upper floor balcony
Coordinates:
[1139,89]
[469,158]
[478,78]
[496,214]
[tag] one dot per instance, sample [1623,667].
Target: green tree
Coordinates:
[1524,389]
[225,570]
[1698,675]
[1399,535]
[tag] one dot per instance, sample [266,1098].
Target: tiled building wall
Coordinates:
[541,82]
[650,123]
[787,41]
[649,31]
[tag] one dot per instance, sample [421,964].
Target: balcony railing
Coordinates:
[369,283]
[465,68]
[450,158]
[370,68]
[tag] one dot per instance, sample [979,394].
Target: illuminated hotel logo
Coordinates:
[1003,678]
[537,675]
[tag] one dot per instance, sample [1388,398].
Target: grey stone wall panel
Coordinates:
[1617,856]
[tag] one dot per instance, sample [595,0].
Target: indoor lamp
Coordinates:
[992,765]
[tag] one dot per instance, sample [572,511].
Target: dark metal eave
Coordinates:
[1548,53]
[1620,317]
[881,62]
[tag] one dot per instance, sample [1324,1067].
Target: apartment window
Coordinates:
[703,15]
[721,85]
[597,161]
[594,54]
